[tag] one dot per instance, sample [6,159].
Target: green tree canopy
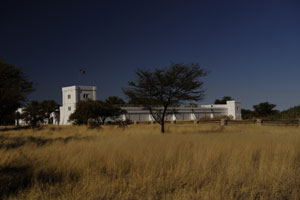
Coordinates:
[223,100]
[191,105]
[158,89]
[247,114]
[48,107]
[85,110]
[107,110]
[14,90]
[33,114]
[114,100]
[95,110]
[291,113]
[264,109]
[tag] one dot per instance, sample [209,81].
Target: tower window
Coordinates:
[85,96]
[69,96]
[69,108]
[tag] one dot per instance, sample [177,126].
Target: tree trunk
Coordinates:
[163,121]
[163,126]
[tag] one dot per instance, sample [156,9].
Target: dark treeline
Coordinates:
[266,111]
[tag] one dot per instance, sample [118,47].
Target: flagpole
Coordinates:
[79,78]
[81,73]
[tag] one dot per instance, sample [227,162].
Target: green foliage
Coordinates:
[14,89]
[158,89]
[132,102]
[247,114]
[264,109]
[48,107]
[95,110]
[291,113]
[114,100]
[85,110]
[223,100]
[191,105]
[109,111]
[33,114]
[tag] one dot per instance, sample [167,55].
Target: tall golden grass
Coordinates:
[189,162]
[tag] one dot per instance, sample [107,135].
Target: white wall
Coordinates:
[231,108]
[234,110]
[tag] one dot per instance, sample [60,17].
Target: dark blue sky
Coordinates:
[252,48]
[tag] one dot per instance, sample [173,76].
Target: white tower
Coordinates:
[234,109]
[70,96]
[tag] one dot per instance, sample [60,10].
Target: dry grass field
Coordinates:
[189,162]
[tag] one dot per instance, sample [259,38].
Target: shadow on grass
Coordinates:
[14,179]
[14,128]
[17,179]
[216,130]
[15,142]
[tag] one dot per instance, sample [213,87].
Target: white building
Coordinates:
[71,95]
[231,109]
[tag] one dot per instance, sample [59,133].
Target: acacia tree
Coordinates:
[161,89]
[14,89]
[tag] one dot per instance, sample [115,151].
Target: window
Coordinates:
[69,108]
[85,96]
[69,96]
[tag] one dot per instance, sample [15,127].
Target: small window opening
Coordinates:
[69,108]
[69,96]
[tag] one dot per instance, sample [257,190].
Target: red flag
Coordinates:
[82,71]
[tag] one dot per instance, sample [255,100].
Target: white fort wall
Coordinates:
[71,95]
[231,109]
